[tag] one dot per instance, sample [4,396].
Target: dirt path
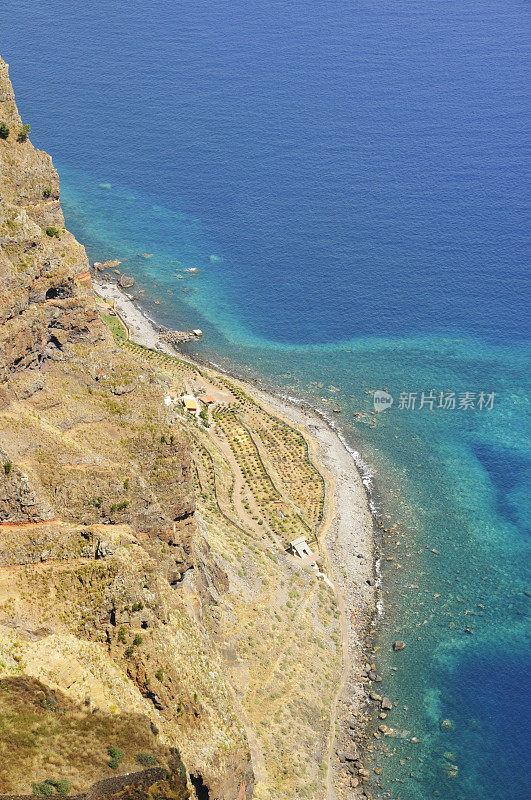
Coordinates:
[264,680]
[257,755]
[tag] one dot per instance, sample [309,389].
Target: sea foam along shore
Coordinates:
[347,534]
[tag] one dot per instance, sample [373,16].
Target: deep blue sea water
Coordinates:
[351,181]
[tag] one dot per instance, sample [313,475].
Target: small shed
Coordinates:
[190,404]
[299,547]
[207,399]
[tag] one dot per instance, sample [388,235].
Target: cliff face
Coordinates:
[43,304]
[97,517]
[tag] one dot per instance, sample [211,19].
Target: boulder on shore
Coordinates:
[126,281]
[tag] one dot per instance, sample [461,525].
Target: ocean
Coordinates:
[349,183]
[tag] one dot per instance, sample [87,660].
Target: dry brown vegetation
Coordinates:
[45,735]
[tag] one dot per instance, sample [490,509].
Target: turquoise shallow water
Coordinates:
[350,182]
[453,480]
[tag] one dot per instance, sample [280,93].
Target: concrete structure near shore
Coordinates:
[300,547]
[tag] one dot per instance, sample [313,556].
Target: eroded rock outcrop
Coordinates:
[43,308]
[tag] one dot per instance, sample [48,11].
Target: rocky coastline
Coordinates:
[349,544]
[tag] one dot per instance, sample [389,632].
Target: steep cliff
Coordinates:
[97,528]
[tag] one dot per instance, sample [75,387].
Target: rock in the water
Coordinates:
[126,281]
[386,704]
[398,645]
[449,770]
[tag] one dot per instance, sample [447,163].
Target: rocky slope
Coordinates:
[97,531]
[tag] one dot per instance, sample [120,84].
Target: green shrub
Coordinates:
[46,192]
[4,130]
[137,606]
[62,787]
[24,132]
[137,640]
[147,759]
[121,634]
[8,466]
[159,675]
[116,756]
[51,232]
[42,789]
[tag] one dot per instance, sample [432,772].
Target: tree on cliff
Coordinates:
[24,132]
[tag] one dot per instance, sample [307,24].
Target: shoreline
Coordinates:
[347,535]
